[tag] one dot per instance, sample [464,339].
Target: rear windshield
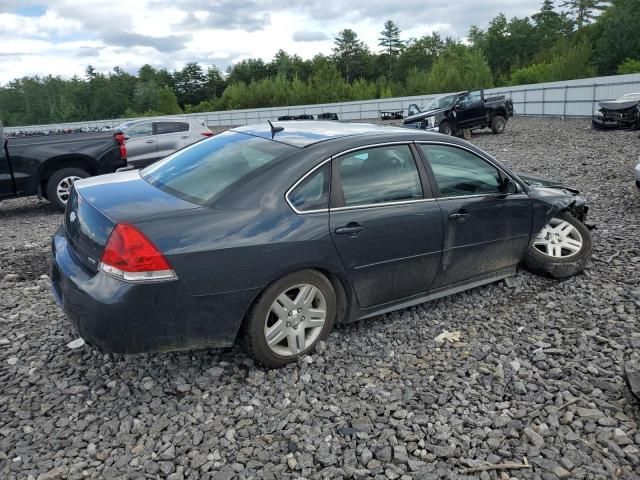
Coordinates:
[202,171]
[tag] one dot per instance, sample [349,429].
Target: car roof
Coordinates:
[308,132]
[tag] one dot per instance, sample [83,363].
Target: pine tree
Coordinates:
[390,40]
[584,11]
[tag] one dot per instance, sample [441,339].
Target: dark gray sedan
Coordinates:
[278,232]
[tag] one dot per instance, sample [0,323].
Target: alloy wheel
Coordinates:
[295,320]
[559,239]
[64,187]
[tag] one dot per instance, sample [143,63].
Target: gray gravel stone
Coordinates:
[539,369]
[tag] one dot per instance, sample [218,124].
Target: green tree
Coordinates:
[351,55]
[421,53]
[616,35]
[584,11]
[630,65]
[190,84]
[459,68]
[390,41]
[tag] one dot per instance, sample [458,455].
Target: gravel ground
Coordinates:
[537,375]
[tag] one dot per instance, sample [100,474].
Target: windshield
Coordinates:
[440,102]
[202,171]
[630,96]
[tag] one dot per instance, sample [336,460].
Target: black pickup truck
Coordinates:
[47,166]
[450,114]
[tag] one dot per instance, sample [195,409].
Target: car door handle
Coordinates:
[149,141]
[184,137]
[459,216]
[351,228]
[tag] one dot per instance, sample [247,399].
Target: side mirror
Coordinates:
[508,186]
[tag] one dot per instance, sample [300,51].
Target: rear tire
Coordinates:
[568,263]
[498,124]
[290,317]
[59,186]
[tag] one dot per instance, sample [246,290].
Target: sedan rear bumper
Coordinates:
[121,317]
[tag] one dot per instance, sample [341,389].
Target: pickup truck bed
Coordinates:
[47,165]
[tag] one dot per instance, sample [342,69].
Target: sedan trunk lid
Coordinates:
[97,204]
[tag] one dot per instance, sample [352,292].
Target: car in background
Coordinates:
[47,166]
[637,173]
[623,113]
[453,113]
[150,139]
[276,232]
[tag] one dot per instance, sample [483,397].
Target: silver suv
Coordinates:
[150,139]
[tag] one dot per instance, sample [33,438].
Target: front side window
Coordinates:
[142,130]
[459,172]
[202,171]
[379,175]
[313,192]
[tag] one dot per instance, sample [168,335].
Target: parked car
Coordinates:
[637,174]
[150,139]
[623,113]
[281,232]
[450,114]
[48,166]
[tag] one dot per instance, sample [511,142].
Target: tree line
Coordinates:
[574,39]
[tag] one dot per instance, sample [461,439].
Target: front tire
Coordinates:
[561,249]
[445,128]
[60,183]
[498,124]
[290,317]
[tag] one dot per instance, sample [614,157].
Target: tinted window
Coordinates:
[313,192]
[171,127]
[142,130]
[460,172]
[377,175]
[202,171]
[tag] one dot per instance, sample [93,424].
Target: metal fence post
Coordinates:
[543,98]
[524,112]
[564,102]
[593,98]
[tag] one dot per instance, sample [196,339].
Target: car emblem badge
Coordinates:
[72,217]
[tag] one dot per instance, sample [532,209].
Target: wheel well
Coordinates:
[499,113]
[58,163]
[343,303]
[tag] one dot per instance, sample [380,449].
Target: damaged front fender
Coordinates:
[548,202]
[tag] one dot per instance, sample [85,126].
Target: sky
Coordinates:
[62,37]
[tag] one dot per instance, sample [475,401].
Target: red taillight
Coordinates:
[131,256]
[207,134]
[120,138]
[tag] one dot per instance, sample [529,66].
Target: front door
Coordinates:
[471,110]
[486,229]
[385,224]
[141,145]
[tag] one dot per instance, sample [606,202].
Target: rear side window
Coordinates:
[171,127]
[204,170]
[313,192]
[379,175]
[459,172]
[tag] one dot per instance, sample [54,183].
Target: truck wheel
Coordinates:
[60,183]
[497,124]
[445,127]
[561,249]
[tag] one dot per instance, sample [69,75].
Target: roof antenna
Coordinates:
[274,129]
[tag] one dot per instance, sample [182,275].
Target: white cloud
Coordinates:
[63,37]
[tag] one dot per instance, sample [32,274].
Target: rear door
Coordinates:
[171,136]
[141,145]
[485,228]
[385,223]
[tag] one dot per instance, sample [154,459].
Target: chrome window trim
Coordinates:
[300,180]
[344,152]
[497,167]
[383,204]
